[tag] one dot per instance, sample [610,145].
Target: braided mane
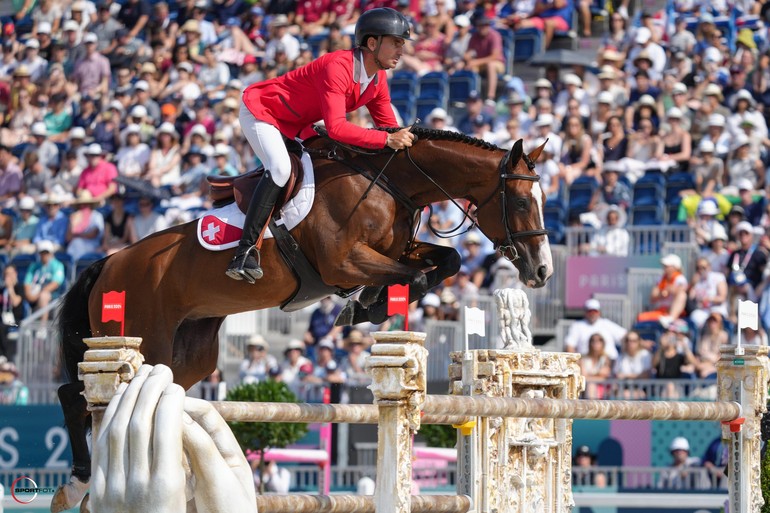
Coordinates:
[444,135]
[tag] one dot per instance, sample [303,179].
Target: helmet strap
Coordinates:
[376,53]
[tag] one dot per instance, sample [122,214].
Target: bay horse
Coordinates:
[177,294]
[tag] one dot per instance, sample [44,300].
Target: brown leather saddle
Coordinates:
[226,189]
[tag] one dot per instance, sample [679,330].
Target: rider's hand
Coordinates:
[401,139]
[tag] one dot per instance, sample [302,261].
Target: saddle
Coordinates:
[240,189]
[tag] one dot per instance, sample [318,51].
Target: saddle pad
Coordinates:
[221,228]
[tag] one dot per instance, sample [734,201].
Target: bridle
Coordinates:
[510,235]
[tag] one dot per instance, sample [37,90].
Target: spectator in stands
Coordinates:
[546,166]
[612,238]
[612,191]
[743,109]
[706,223]
[134,155]
[44,281]
[353,364]
[615,141]
[578,157]
[454,55]
[713,335]
[214,386]
[119,229]
[676,143]
[580,332]
[428,51]
[544,126]
[147,221]
[257,363]
[275,479]
[281,39]
[746,263]
[450,306]
[431,304]
[548,17]
[643,145]
[716,252]
[717,134]
[322,325]
[294,360]
[25,228]
[596,367]
[92,72]
[708,293]
[573,90]
[10,175]
[165,158]
[741,166]
[36,177]
[86,227]
[485,54]
[438,119]
[683,473]
[98,178]
[673,357]
[336,40]
[12,389]
[752,210]
[585,476]
[46,151]
[669,297]
[644,44]
[634,362]
[12,310]
[715,462]
[326,371]
[52,227]
[708,170]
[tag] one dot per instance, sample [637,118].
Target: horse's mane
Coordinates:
[444,135]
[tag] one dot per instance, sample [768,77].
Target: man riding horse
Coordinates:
[327,88]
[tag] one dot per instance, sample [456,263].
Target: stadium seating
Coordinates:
[676,183]
[461,83]
[555,217]
[527,42]
[22,263]
[85,262]
[509,47]
[581,192]
[403,85]
[69,266]
[434,86]
[647,194]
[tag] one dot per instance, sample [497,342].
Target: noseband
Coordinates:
[510,235]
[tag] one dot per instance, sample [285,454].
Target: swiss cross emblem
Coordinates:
[216,233]
[211,231]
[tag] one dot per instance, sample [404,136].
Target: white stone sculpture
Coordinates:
[514,315]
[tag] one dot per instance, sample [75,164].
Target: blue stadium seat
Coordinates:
[403,85]
[509,47]
[434,86]
[556,208]
[647,216]
[676,183]
[18,150]
[647,194]
[86,261]
[69,266]
[653,176]
[424,106]
[22,263]
[406,108]
[673,211]
[461,83]
[649,330]
[581,192]
[314,42]
[527,43]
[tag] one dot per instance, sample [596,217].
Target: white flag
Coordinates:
[748,315]
[474,321]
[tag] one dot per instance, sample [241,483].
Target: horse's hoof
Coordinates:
[67,496]
[369,295]
[84,505]
[346,315]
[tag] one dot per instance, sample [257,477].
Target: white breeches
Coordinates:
[267,142]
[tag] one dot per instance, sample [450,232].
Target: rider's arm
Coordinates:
[379,106]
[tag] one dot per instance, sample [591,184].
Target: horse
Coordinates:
[356,234]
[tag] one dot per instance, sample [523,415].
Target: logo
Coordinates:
[19,492]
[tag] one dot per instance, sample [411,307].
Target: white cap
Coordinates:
[199,129]
[437,113]
[139,111]
[679,88]
[221,149]
[706,146]
[672,260]
[572,79]
[607,71]
[744,184]
[32,43]
[90,38]
[744,226]
[39,128]
[43,27]
[708,208]
[133,128]
[605,97]
[26,203]
[431,299]
[45,245]
[739,140]
[142,85]
[70,26]
[544,120]
[712,89]
[77,132]
[325,342]
[643,35]
[716,120]
[679,443]
[674,112]
[115,104]
[295,344]
[593,304]
[461,20]
[185,66]
[646,99]
[235,84]
[94,149]
[167,128]
[712,54]
[718,232]
[543,82]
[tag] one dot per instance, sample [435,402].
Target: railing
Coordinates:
[616,307]
[640,284]
[658,389]
[38,357]
[547,303]
[643,240]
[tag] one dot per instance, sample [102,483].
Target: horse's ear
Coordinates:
[516,152]
[535,154]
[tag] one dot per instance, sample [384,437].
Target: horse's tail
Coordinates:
[74,322]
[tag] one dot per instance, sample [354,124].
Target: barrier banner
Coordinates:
[588,275]
[398,302]
[114,307]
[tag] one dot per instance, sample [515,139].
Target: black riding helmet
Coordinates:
[382,21]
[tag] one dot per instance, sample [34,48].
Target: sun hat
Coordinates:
[672,261]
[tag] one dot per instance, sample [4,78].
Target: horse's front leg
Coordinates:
[366,265]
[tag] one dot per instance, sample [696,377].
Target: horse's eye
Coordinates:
[521,203]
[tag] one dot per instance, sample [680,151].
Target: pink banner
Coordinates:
[589,275]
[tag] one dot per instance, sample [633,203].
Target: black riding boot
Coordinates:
[245,264]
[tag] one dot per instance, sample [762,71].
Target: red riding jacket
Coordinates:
[327,88]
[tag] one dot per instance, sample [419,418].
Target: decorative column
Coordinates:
[516,465]
[108,362]
[743,378]
[397,367]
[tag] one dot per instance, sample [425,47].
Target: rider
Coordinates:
[327,88]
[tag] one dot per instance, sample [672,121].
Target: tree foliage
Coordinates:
[438,435]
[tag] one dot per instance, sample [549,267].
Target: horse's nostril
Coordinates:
[542,272]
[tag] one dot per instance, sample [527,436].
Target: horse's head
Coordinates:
[513,217]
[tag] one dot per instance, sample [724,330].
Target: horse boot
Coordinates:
[246,263]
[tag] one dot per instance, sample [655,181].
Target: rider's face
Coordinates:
[391,50]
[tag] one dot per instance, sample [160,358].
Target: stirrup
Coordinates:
[239,271]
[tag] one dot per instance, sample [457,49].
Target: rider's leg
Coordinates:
[267,143]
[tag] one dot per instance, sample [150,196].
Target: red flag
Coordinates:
[113,307]
[398,302]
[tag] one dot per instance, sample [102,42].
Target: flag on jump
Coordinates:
[398,302]
[114,307]
[748,315]
[475,322]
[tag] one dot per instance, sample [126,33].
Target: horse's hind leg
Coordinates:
[76,419]
[444,260]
